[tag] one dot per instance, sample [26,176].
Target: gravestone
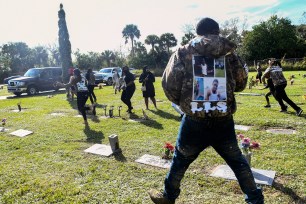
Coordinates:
[114,143]
[100,149]
[242,127]
[261,176]
[21,133]
[281,131]
[154,161]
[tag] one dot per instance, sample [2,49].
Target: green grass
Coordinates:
[50,166]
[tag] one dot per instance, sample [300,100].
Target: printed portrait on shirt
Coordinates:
[198,89]
[203,66]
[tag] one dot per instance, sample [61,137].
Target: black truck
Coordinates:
[35,80]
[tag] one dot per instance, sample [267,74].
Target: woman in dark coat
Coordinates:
[147,79]
[128,89]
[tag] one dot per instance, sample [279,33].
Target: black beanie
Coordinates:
[207,26]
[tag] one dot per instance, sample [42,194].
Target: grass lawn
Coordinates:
[50,166]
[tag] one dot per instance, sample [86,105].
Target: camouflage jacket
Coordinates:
[179,76]
[276,74]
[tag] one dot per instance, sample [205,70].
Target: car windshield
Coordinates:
[106,70]
[32,73]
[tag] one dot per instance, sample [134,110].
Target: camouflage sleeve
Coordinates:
[172,79]
[239,71]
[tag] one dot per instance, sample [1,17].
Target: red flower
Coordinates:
[255,145]
[169,146]
[240,136]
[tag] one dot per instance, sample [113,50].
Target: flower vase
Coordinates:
[167,154]
[248,157]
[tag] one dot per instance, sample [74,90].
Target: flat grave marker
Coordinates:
[100,149]
[21,133]
[242,127]
[154,161]
[281,131]
[58,114]
[261,176]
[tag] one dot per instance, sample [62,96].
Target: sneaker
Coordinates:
[299,112]
[267,106]
[158,198]
[284,110]
[94,110]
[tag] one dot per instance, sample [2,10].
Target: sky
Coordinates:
[96,25]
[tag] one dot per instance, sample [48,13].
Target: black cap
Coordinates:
[207,26]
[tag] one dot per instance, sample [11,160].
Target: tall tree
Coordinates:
[64,43]
[108,56]
[187,37]
[168,40]
[129,33]
[152,40]
[272,38]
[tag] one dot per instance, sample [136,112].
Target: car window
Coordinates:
[106,70]
[32,73]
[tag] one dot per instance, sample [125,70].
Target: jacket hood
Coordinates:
[212,45]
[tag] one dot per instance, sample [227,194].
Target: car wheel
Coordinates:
[32,90]
[17,94]
[109,81]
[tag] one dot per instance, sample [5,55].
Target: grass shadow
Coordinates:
[289,192]
[120,157]
[93,136]
[150,123]
[166,115]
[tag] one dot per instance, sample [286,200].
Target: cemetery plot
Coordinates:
[242,127]
[281,131]
[154,161]
[100,149]
[21,133]
[261,176]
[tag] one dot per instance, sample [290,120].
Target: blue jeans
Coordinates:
[196,135]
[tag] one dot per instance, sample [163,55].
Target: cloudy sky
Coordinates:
[96,25]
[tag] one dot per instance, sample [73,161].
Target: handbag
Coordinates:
[143,88]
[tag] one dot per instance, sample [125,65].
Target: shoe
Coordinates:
[94,110]
[299,112]
[284,110]
[158,198]
[267,106]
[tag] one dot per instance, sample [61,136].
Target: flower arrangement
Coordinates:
[168,150]
[247,146]
[3,122]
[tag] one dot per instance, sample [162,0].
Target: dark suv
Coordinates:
[35,80]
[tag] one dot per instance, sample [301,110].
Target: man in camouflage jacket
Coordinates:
[206,123]
[275,72]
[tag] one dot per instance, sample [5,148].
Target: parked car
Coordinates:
[105,75]
[5,81]
[35,80]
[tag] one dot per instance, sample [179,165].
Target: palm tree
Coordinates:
[186,38]
[130,32]
[108,56]
[152,40]
[168,40]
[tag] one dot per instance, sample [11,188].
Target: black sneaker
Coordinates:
[299,112]
[284,110]
[94,110]
[267,106]
[158,198]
